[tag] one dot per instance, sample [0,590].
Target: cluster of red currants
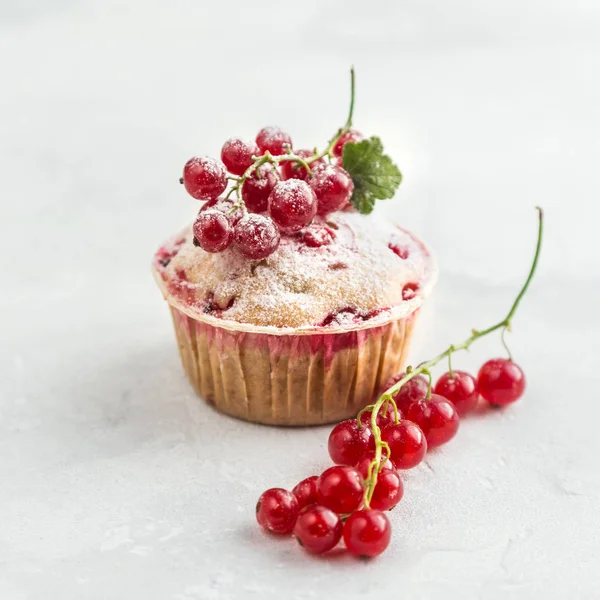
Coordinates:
[321,510]
[279,191]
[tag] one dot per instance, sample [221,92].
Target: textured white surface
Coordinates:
[116,482]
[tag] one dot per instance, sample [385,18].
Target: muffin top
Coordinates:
[345,269]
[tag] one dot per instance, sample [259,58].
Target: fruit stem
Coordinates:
[425,366]
[267,157]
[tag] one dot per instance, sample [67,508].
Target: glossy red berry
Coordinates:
[276,511]
[294,170]
[306,491]
[460,388]
[348,443]
[273,140]
[501,381]
[414,389]
[436,417]
[204,178]
[332,186]
[256,236]
[407,443]
[237,154]
[362,466]
[257,188]
[318,529]
[350,136]
[292,205]
[385,416]
[388,490]
[340,489]
[367,533]
[213,231]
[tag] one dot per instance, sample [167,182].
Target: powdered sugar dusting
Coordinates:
[355,277]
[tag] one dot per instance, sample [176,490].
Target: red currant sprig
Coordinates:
[348,499]
[310,185]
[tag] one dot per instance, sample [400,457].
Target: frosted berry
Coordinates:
[315,238]
[332,186]
[204,178]
[501,381]
[414,389]
[213,231]
[349,136]
[273,140]
[276,511]
[407,443]
[388,490]
[257,188]
[237,154]
[306,491]
[437,418]
[256,237]
[318,529]
[292,205]
[348,442]
[367,533]
[340,489]
[226,206]
[294,170]
[460,388]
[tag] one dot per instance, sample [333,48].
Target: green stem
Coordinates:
[427,365]
[267,157]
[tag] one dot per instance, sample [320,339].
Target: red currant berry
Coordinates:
[273,140]
[315,238]
[306,491]
[410,290]
[276,511]
[226,206]
[294,170]
[407,444]
[388,490]
[340,489]
[237,154]
[213,231]
[332,186]
[460,388]
[501,381]
[384,417]
[348,443]
[437,418]
[292,205]
[318,529]
[399,250]
[256,236]
[367,533]
[257,188]
[204,178]
[414,389]
[349,136]
[362,466]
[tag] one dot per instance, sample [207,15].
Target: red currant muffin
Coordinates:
[292,304]
[306,335]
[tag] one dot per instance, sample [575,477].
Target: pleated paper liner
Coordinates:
[289,379]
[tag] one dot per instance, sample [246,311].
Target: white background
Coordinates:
[115,481]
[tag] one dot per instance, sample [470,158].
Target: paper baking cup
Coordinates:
[309,378]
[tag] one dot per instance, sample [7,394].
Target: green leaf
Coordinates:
[374,174]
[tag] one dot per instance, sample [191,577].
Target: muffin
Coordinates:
[292,303]
[306,335]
